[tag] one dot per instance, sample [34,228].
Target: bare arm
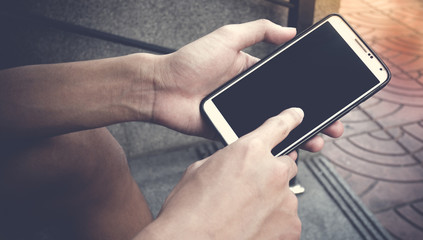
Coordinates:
[219,195]
[47,100]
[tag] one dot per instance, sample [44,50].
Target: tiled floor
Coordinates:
[381,153]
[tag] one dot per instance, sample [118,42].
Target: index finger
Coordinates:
[247,34]
[277,128]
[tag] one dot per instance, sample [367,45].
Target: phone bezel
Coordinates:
[365,53]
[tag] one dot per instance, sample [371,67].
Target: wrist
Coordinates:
[140,92]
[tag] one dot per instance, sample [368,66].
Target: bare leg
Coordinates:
[80,179]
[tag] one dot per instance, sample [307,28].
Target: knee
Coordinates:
[66,163]
[94,161]
[53,176]
[93,154]
[97,167]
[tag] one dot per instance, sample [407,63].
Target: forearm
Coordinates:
[48,100]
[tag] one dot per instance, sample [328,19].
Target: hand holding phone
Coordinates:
[326,71]
[227,189]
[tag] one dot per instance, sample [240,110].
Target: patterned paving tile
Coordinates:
[381,152]
[384,196]
[349,147]
[405,115]
[382,108]
[411,215]
[406,12]
[398,226]
[418,207]
[357,122]
[384,172]
[361,185]
[384,146]
[416,130]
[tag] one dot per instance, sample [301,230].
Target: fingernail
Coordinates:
[291,29]
[299,111]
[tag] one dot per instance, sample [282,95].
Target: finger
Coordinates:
[249,60]
[293,155]
[292,167]
[276,128]
[247,34]
[335,130]
[314,144]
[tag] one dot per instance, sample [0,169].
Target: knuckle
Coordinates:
[278,121]
[283,171]
[226,30]
[293,166]
[285,122]
[264,21]
[249,153]
[296,228]
[255,143]
[292,201]
[251,145]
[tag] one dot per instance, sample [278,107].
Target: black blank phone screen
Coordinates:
[320,74]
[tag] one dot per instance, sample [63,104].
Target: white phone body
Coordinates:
[327,70]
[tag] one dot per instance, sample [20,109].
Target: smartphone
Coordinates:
[327,70]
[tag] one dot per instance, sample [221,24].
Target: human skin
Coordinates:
[53,139]
[240,192]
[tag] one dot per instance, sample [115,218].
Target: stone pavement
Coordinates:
[381,152]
